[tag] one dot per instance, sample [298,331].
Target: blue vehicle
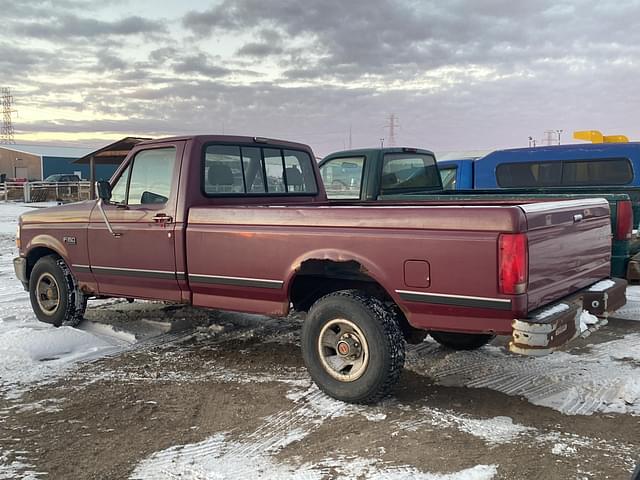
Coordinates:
[593,169]
[580,165]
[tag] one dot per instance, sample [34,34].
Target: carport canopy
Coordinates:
[112,154]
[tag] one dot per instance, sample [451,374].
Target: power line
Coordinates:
[6,131]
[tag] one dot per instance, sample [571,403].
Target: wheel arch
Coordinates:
[41,247]
[323,272]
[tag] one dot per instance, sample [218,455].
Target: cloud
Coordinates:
[199,64]
[69,25]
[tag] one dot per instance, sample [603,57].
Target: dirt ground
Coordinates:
[232,391]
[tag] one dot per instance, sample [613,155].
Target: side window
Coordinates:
[448,176]
[614,171]
[530,174]
[409,171]
[151,176]
[223,169]
[298,172]
[235,169]
[119,190]
[342,177]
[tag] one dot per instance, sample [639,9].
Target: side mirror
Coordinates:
[103,190]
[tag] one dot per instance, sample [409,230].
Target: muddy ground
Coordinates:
[234,390]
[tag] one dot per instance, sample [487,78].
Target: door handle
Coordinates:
[162,218]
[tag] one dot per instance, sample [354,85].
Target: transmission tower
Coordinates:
[6,132]
[392,125]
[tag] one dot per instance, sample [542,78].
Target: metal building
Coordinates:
[37,162]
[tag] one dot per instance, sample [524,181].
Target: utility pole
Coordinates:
[532,141]
[559,132]
[350,139]
[7,132]
[382,143]
[392,125]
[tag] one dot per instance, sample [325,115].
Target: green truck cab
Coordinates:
[411,174]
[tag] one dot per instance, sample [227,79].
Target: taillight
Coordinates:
[513,263]
[624,222]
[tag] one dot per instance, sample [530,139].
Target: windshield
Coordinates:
[403,172]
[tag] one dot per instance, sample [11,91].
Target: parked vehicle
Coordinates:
[373,184]
[592,169]
[195,220]
[62,177]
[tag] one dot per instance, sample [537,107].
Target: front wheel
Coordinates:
[462,341]
[353,347]
[55,297]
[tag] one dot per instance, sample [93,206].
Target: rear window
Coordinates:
[409,171]
[240,170]
[614,171]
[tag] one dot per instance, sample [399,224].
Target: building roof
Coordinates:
[112,154]
[48,150]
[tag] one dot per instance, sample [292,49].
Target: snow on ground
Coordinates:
[254,455]
[605,378]
[31,351]
[631,311]
[10,211]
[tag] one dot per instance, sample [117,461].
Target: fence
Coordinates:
[45,191]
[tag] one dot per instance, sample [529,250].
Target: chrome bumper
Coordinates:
[20,267]
[552,327]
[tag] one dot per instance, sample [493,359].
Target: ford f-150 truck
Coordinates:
[239,223]
[374,174]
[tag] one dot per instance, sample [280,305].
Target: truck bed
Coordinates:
[264,247]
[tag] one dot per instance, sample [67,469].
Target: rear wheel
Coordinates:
[462,341]
[353,347]
[55,297]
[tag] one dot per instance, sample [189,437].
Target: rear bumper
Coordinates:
[554,326]
[20,267]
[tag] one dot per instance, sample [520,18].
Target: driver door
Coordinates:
[139,260]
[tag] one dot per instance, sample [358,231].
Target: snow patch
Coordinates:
[604,378]
[561,307]
[219,458]
[602,285]
[32,353]
[493,431]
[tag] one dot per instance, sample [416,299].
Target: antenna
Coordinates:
[392,125]
[6,131]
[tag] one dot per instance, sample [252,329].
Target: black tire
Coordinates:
[462,341]
[71,302]
[383,340]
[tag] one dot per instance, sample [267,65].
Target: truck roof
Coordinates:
[366,151]
[228,138]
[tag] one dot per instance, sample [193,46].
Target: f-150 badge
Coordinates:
[69,240]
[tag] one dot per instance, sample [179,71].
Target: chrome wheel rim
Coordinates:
[48,294]
[343,350]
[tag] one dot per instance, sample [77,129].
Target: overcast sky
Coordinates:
[460,74]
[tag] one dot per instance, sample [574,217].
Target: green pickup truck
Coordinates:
[397,174]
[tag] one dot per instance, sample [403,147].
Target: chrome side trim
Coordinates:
[236,281]
[455,300]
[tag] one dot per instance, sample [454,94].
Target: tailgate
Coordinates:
[569,247]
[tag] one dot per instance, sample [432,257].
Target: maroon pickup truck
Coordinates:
[239,223]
